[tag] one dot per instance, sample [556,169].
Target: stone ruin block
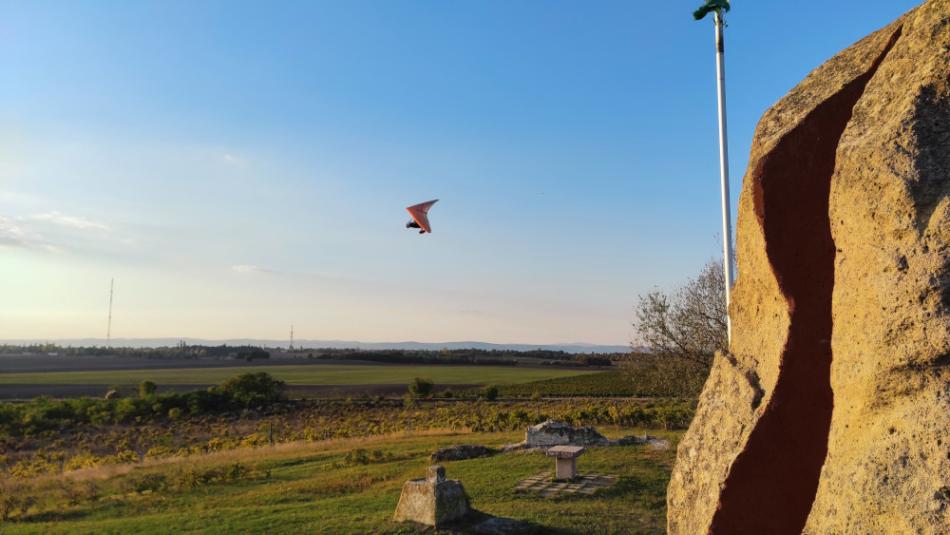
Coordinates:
[432,501]
[551,433]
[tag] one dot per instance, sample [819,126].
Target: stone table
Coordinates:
[565,461]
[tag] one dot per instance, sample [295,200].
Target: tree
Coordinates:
[420,388]
[253,389]
[690,325]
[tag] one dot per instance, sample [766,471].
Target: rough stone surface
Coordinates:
[830,413]
[552,433]
[433,501]
[461,452]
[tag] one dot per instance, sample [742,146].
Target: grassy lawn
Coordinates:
[310,488]
[324,374]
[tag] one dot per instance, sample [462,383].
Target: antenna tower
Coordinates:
[109,325]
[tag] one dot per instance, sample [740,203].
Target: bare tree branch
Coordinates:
[690,326]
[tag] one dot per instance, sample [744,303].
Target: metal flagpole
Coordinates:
[724,165]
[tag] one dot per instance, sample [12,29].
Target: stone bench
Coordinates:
[565,464]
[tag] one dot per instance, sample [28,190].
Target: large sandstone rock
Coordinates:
[831,413]
[433,501]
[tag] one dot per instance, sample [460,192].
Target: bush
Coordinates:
[253,389]
[491,392]
[42,414]
[145,483]
[192,478]
[421,388]
[126,409]
[15,504]
[147,389]
[359,456]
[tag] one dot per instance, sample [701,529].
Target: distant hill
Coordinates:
[336,344]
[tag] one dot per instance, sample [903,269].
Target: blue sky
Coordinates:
[241,166]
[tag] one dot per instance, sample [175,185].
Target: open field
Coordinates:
[302,374]
[69,363]
[313,487]
[26,392]
[47,436]
[161,463]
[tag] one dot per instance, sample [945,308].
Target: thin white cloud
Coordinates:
[71,221]
[51,232]
[12,234]
[232,160]
[249,268]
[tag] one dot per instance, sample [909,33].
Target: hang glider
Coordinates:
[420,216]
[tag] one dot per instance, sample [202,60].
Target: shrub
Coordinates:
[126,409]
[79,492]
[253,389]
[147,389]
[491,392]
[145,483]
[42,415]
[359,456]
[14,504]
[206,401]
[421,388]
[192,478]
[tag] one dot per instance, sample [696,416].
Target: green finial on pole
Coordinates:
[718,6]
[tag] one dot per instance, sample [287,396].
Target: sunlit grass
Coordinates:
[309,488]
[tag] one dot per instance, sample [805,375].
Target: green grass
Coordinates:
[322,374]
[310,490]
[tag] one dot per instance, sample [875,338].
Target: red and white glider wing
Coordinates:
[420,214]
